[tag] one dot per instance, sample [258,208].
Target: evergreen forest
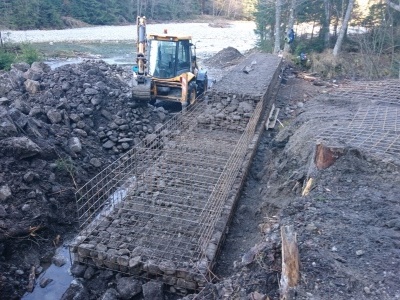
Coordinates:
[357,37]
[45,14]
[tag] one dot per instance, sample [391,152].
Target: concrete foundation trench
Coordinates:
[161,210]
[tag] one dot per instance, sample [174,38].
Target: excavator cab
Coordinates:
[167,68]
[169,59]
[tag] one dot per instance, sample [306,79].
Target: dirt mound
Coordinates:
[224,58]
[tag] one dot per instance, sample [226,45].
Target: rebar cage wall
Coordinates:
[162,208]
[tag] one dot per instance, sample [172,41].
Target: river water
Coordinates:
[116,44]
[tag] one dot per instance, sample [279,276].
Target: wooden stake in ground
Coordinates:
[308,187]
[31,284]
[290,263]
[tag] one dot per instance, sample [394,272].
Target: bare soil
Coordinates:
[347,226]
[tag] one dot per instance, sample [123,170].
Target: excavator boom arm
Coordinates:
[141,46]
[141,84]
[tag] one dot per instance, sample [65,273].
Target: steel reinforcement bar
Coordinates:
[161,210]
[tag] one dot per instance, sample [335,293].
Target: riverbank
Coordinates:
[206,36]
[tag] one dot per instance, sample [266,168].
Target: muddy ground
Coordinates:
[348,226]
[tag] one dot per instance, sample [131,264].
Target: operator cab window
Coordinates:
[162,59]
[169,58]
[183,57]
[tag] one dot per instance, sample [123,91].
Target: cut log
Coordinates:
[290,263]
[307,77]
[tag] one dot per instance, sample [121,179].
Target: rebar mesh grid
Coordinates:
[170,196]
[387,91]
[162,208]
[375,127]
[373,141]
[377,117]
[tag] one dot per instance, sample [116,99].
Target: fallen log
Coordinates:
[307,77]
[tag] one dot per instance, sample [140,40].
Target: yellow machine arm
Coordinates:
[141,48]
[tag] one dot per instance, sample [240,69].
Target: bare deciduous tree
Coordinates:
[292,19]
[277,43]
[327,15]
[393,5]
[343,28]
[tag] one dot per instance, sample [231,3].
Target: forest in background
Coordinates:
[46,14]
[328,46]
[351,38]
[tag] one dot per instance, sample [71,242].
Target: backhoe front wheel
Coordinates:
[191,95]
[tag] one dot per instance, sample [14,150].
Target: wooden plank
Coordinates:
[274,118]
[269,117]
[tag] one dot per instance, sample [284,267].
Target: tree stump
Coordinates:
[326,156]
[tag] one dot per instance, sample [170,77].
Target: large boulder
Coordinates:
[17,78]
[7,127]
[18,118]
[32,86]
[110,294]
[32,75]
[153,290]
[22,106]
[128,287]
[19,147]
[76,291]
[22,66]
[75,144]
[5,84]
[40,67]
[5,192]
[54,116]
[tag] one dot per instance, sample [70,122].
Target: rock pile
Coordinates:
[229,112]
[58,128]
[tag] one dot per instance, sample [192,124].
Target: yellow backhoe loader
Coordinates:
[166,68]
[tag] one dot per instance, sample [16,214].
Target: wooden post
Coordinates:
[32,277]
[290,263]
[308,187]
